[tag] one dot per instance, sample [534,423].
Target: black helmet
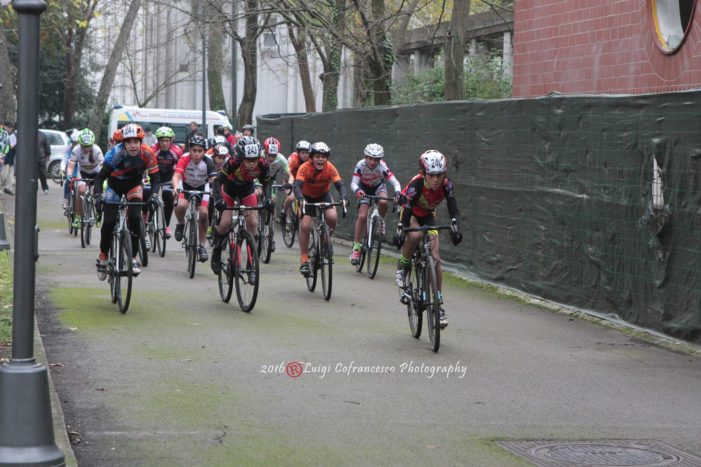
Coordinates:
[320,148]
[249,127]
[247,147]
[198,140]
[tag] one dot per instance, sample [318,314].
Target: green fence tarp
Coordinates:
[556,193]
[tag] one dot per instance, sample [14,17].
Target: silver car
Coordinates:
[60,142]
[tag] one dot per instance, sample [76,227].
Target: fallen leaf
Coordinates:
[56,365]
[101,389]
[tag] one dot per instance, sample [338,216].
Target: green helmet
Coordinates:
[165,132]
[86,137]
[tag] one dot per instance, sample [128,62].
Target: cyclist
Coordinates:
[88,157]
[297,158]
[369,178]
[64,164]
[229,135]
[313,184]
[237,181]
[279,169]
[422,195]
[168,155]
[195,172]
[248,130]
[219,154]
[123,168]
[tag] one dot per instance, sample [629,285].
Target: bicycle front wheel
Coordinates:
[191,246]
[159,236]
[246,271]
[433,305]
[125,271]
[326,264]
[413,305]
[288,232]
[83,222]
[89,213]
[374,246]
[226,270]
[266,240]
[313,260]
[143,251]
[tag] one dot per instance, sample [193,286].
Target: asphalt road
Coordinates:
[184,379]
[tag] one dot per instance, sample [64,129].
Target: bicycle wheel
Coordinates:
[191,245]
[288,232]
[113,269]
[70,214]
[266,246]
[313,260]
[413,306]
[125,271]
[363,253]
[326,264]
[160,235]
[226,270]
[246,271]
[143,251]
[213,223]
[83,221]
[374,246]
[433,305]
[152,229]
[89,213]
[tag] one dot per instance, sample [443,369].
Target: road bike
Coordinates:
[69,210]
[420,292]
[239,261]
[155,227]
[291,225]
[191,231]
[267,219]
[89,215]
[371,244]
[119,265]
[321,250]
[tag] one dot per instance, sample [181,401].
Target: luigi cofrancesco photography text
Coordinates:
[297,368]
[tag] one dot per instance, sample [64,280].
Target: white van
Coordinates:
[178,120]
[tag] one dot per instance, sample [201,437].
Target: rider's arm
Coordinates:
[298,189]
[341,189]
[102,175]
[355,183]
[395,183]
[451,201]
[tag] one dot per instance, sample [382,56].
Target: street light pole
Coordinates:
[26,426]
[204,73]
[234,71]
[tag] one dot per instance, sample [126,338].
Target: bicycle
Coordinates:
[267,218]
[239,262]
[69,210]
[291,226]
[88,216]
[321,250]
[119,263]
[422,294]
[371,243]
[191,231]
[155,228]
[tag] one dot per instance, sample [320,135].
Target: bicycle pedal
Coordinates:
[405,299]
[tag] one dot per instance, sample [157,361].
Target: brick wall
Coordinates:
[598,47]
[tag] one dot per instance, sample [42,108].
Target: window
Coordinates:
[672,22]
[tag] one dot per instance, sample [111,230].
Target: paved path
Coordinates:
[184,379]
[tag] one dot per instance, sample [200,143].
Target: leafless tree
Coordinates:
[8,100]
[454,52]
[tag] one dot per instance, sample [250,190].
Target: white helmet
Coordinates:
[433,162]
[219,139]
[375,151]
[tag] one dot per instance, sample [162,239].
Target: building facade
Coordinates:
[606,46]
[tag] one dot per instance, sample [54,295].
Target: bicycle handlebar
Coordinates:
[426,228]
[325,205]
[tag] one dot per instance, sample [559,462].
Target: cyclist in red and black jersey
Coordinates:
[422,195]
[167,154]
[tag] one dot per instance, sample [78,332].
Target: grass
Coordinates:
[5,304]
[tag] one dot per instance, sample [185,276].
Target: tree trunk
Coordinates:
[74,45]
[8,100]
[249,54]
[381,58]
[332,66]
[454,52]
[215,63]
[103,94]
[299,42]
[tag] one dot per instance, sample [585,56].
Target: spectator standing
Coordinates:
[149,138]
[7,156]
[43,154]
[194,127]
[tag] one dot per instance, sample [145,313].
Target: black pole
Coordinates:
[26,426]
[204,77]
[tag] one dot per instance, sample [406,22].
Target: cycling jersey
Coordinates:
[167,160]
[365,177]
[195,175]
[293,162]
[278,168]
[235,172]
[88,162]
[316,183]
[124,172]
[422,201]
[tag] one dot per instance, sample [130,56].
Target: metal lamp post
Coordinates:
[26,426]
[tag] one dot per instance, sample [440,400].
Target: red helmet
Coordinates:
[271,146]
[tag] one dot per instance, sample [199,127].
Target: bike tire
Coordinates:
[313,259]
[54,172]
[152,229]
[374,247]
[225,278]
[413,305]
[191,246]
[288,232]
[161,231]
[113,269]
[83,222]
[326,264]
[433,305]
[268,231]
[90,213]
[125,271]
[246,260]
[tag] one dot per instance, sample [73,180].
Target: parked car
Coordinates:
[60,142]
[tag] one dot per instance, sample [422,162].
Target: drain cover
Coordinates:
[601,453]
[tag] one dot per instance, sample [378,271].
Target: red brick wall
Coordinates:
[598,47]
